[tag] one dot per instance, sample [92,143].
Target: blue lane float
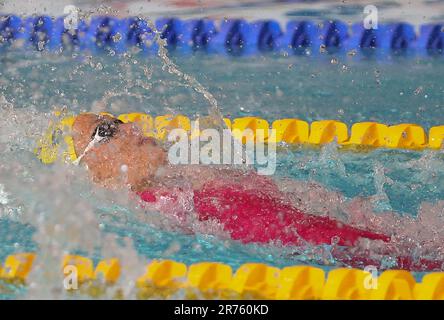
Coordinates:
[138,34]
[198,34]
[64,39]
[38,32]
[299,38]
[431,39]
[106,33]
[264,35]
[10,29]
[402,37]
[334,35]
[233,37]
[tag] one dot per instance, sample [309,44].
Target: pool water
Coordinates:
[341,87]
[55,209]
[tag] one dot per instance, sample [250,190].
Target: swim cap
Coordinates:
[55,139]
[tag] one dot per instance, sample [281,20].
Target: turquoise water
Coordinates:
[342,87]
[350,89]
[410,178]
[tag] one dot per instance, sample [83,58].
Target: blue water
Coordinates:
[345,88]
[414,177]
[342,87]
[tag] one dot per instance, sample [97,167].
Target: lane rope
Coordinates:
[232,37]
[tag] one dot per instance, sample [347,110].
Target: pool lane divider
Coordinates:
[363,135]
[233,37]
[214,280]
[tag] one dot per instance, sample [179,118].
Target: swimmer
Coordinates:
[249,207]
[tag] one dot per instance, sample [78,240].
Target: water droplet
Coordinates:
[418,90]
[41,45]
[117,37]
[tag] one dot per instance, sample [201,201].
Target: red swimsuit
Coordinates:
[259,217]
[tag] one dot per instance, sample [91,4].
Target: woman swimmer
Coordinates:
[247,206]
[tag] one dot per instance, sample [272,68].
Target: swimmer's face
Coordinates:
[123,155]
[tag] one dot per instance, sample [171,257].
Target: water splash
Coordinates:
[419,236]
[42,197]
[216,118]
[172,68]
[380,199]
